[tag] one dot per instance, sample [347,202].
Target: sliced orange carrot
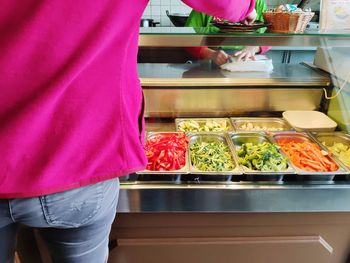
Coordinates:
[307,155]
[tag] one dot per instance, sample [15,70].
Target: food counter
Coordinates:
[248,216]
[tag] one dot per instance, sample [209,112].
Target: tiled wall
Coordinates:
[156,9]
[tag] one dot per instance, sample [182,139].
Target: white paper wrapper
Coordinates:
[262,63]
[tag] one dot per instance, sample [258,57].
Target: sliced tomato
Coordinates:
[166,151]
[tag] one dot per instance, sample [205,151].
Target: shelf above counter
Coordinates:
[188,36]
[204,74]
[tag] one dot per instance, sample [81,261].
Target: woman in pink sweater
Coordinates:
[71,117]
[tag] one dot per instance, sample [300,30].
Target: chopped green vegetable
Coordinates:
[340,150]
[262,157]
[205,126]
[211,156]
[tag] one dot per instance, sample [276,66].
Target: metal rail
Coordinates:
[235,198]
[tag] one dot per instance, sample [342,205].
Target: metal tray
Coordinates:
[202,121]
[272,124]
[198,178]
[158,177]
[256,138]
[149,175]
[329,138]
[213,176]
[309,175]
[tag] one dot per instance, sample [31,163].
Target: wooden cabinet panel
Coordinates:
[293,249]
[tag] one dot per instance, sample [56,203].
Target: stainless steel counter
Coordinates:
[204,74]
[235,197]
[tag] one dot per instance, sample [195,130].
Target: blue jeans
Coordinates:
[74,224]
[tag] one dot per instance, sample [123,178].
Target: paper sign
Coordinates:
[335,14]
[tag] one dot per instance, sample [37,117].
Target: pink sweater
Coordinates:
[70,98]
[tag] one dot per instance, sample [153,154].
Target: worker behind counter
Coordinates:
[221,55]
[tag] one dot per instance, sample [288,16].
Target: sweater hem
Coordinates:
[62,188]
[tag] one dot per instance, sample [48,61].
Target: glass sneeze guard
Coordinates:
[189,36]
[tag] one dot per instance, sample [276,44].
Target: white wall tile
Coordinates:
[165,21]
[164,2]
[156,18]
[147,11]
[155,2]
[155,10]
[175,9]
[163,10]
[186,10]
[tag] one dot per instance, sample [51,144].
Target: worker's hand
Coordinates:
[219,57]
[250,19]
[247,53]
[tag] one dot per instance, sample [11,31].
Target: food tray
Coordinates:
[239,139]
[207,175]
[178,121]
[272,124]
[312,121]
[329,138]
[310,175]
[174,175]
[226,26]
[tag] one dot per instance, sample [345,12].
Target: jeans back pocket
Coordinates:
[72,208]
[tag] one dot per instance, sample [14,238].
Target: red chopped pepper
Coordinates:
[166,151]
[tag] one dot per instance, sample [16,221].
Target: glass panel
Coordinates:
[211,31]
[210,36]
[336,61]
[183,79]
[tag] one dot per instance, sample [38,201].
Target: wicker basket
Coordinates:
[287,22]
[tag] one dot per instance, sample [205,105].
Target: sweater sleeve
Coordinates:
[196,52]
[233,10]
